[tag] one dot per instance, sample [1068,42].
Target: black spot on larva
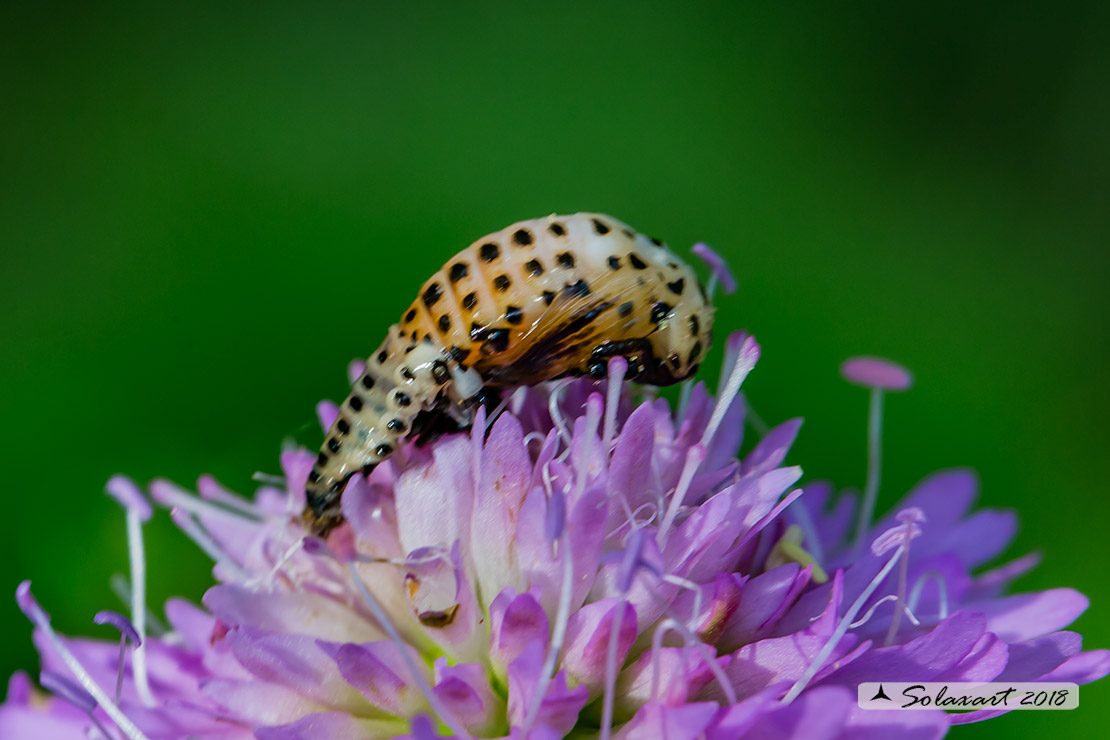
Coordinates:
[367,382]
[407,374]
[410,315]
[695,325]
[343,426]
[489,252]
[477,331]
[426,339]
[659,311]
[458,272]
[534,267]
[383,356]
[614,263]
[502,283]
[355,402]
[458,354]
[600,227]
[635,261]
[333,444]
[440,372]
[523,237]
[395,425]
[625,308]
[557,229]
[444,322]
[403,399]
[657,242]
[384,451]
[677,286]
[566,259]
[628,233]
[672,265]
[548,297]
[497,340]
[695,351]
[314,477]
[578,289]
[322,459]
[469,301]
[513,315]
[432,294]
[673,359]
[337,486]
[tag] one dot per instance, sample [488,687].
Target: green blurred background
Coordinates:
[206,211]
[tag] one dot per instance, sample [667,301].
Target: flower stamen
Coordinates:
[942,589]
[41,619]
[746,358]
[138,511]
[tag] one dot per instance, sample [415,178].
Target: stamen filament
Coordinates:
[694,457]
[609,691]
[874,607]
[41,620]
[840,630]
[193,530]
[745,362]
[559,631]
[874,470]
[138,604]
[903,569]
[919,586]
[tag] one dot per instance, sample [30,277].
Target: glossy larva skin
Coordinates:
[538,300]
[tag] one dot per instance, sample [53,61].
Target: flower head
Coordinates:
[586,559]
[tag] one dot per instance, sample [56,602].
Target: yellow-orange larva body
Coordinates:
[538,300]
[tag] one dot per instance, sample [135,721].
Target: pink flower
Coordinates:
[585,560]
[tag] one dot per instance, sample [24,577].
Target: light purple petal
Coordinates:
[297,662]
[763,601]
[280,611]
[258,703]
[465,692]
[981,536]
[818,714]
[1028,661]
[515,622]
[588,637]
[772,449]
[560,706]
[869,724]
[670,675]
[654,721]
[921,659]
[506,471]
[1027,616]
[986,659]
[326,412]
[379,673]
[434,500]
[333,726]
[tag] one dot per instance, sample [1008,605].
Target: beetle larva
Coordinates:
[538,300]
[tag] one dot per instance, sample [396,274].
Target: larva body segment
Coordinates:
[538,300]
